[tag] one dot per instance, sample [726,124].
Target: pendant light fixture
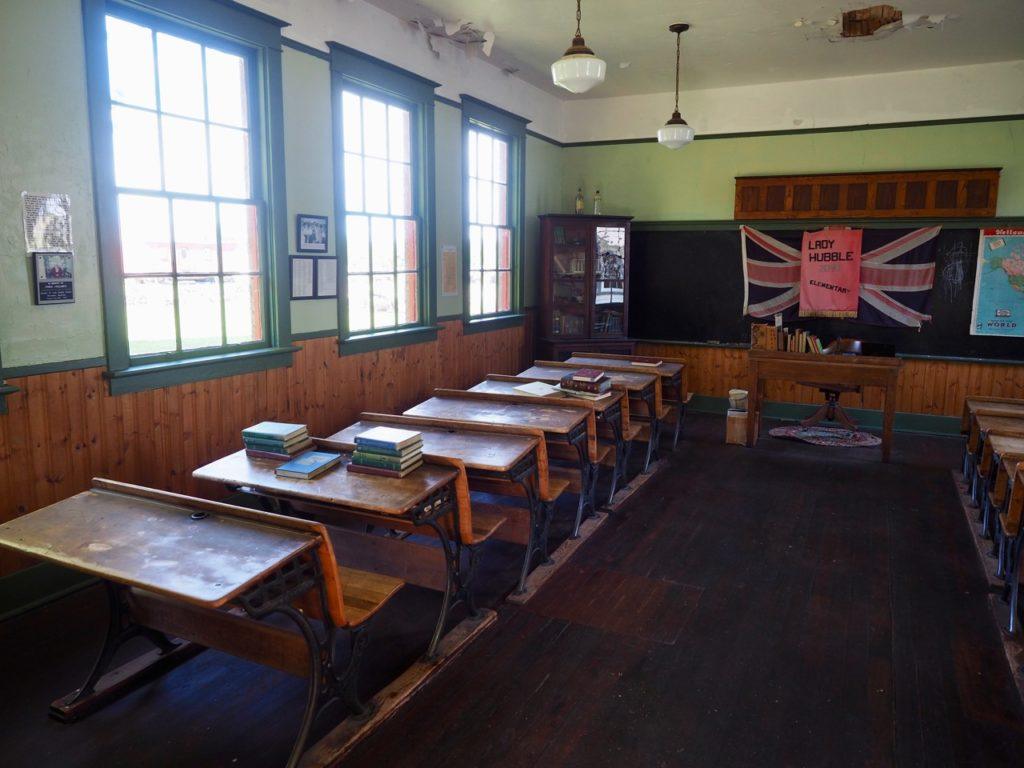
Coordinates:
[676,133]
[579,69]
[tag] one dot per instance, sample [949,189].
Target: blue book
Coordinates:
[308,465]
[389,439]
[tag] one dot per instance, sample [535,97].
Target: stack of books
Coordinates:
[587,383]
[274,440]
[387,451]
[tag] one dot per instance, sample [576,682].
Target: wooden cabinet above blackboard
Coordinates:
[956,193]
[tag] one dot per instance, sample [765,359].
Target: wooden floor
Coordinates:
[786,606]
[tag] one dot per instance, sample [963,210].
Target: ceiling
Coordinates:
[732,42]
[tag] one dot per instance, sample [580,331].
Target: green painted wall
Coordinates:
[448,200]
[44,147]
[652,183]
[543,195]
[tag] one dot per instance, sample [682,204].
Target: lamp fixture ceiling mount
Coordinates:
[579,69]
[676,133]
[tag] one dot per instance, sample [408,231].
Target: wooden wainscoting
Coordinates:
[65,428]
[931,387]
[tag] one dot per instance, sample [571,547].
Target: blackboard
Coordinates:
[687,285]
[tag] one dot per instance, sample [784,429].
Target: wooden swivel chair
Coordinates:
[831,410]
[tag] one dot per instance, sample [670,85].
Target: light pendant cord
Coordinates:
[579,16]
[679,37]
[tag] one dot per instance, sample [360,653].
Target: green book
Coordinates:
[274,430]
[385,462]
[389,453]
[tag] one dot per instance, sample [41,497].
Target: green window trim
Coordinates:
[354,70]
[481,116]
[260,36]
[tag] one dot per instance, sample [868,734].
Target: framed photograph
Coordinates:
[303,274]
[54,277]
[310,233]
[327,278]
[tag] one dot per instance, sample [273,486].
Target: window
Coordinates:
[494,142]
[183,198]
[383,168]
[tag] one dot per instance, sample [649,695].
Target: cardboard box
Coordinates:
[736,427]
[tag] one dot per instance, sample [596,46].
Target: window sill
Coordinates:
[374,342]
[5,390]
[485,324]
[157,375]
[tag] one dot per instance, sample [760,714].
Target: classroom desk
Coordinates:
[487,455]
[881,372]
[204,572]
[571,425]
[672,372]
[612,411]
[425,498]
[983,425]
[645,387]
[997,451]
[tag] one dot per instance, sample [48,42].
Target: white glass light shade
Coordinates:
[675,135]
[578,72]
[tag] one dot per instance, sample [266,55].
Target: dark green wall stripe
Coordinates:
[57,367]
[704,225]
[295,45]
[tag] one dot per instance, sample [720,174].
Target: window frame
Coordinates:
[352,70]
[257,38]
[480,116]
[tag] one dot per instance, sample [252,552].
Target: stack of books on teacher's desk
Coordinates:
[586,383]
[387,451]
[275,440]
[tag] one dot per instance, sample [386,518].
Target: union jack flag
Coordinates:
[896,275]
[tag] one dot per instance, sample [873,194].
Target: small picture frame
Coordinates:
[311,233]
[54,277]
[303,277]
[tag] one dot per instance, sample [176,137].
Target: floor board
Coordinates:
[784,606]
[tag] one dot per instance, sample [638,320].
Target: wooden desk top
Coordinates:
[155,545]
[489,451]
[666,370]
[1011,410]
[1000,425]
[1007,445]
[631,382]
[812,359]
[550,418]
[506,385]
[336,487]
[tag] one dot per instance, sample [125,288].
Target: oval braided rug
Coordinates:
[832,436]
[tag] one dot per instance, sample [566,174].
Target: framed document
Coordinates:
[54,277]
[327,278]
[303,272]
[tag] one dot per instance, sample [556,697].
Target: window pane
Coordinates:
[383,301]
[490,243]
[474,247]
[229,161]
[484,156]
[359,303]
[500,161]
[136,148]
[195,236]
[398,134]
[239,238]
[382,232]
[484,205]
[353,182]
[145,234]
[401,189]
[149,302]
[472,194]
[376,185]
[408,299]
[225,88]
[490,293]
[471,155]
[504,291]
[130,61]
[375,132]
[405,244]
[474,293]
[185,156]
[504,249]
[199,312]
[500,204]
[357,235]
[351,122]
[243,308]
[181,76]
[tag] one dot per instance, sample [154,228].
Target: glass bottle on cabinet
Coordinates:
[584,285]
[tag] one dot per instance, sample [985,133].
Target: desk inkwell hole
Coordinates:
[200,515]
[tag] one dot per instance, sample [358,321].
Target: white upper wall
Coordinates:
[369,29]
[979,90]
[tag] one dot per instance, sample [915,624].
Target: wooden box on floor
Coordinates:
[736,427]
